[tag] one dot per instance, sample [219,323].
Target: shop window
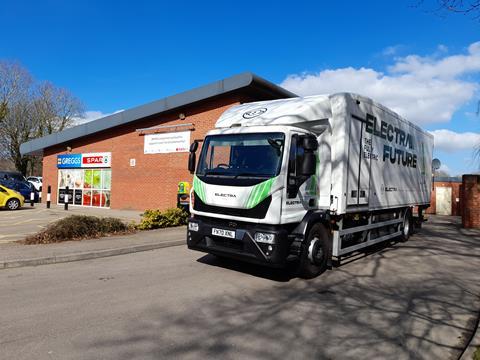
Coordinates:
[87,187]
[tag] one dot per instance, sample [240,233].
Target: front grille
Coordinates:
[257,212]
[225,243]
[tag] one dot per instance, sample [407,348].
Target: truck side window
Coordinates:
[292,159]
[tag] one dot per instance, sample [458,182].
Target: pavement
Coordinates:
[19,255]
[414,300]
[15,225]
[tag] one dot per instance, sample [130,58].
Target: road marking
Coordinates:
[8,241]
[25,221]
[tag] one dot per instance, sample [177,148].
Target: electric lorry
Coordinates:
[308,180]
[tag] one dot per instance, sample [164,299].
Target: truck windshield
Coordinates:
[242,155]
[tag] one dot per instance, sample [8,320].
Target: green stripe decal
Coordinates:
[259,193]
[313,185]
[312,189]
[199,188]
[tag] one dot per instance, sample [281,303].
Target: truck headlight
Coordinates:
[265,238]
[193,226]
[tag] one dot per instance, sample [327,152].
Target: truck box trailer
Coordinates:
[307,179]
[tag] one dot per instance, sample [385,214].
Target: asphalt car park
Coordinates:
[413,300]
[15,225]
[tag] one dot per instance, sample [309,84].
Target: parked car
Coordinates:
[36,181]
[10,199]
[16,181]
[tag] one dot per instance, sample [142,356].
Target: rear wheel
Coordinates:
[314,255]
[13,204]
[406,226]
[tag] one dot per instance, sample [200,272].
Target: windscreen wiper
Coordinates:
[251,175]
[214,173]
[276,144]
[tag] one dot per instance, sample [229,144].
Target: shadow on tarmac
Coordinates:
[417,301]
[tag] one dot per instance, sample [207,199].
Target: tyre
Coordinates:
[13,204]
[407,225]
[314,256]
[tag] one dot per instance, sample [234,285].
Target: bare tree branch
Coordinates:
[443,7]
[29,110]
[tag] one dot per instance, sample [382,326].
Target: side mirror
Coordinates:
[194,146]
[309,143]
[192,159]
[308,165]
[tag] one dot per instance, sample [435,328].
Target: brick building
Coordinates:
[134,159]
[471,198]
[446,197]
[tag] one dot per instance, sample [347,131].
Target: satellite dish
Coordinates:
[436,164]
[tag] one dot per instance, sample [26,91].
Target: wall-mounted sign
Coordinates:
[170,142]
[86,160]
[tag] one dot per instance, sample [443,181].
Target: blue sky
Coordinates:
[118,54]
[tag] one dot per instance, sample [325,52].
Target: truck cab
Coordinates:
[249,186]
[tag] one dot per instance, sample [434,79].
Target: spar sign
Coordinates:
[86,160]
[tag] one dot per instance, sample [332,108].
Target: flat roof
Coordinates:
[447,179]
[241,81]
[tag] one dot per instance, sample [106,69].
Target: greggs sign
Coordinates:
[87,160]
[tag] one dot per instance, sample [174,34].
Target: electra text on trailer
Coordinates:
[308,179]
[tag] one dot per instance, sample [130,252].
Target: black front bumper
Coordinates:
[243,246]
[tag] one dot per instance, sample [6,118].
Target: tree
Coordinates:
[55,108]
[15,87]
[464,7]
[29,110]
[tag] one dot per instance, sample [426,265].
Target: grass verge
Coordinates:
[79,227]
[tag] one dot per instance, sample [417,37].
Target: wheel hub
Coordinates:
[406,226]
[315,252]
[12,205]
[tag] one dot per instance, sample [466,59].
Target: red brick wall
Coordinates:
[471,193]
[152,183]
[456,206]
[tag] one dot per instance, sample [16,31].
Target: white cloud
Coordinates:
[444,168]
[391,50]
[422,89]
[92,115]
[442,48]
[447,140]
[448,67]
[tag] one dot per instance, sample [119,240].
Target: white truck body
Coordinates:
[368,160]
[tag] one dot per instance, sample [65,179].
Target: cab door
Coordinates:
[297,203]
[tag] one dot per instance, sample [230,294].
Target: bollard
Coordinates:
[32,198]
[39,196]
[49,190]
[66,198]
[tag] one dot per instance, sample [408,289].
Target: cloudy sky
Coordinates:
[114,55]
[438,91]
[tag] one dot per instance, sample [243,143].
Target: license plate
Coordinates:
[224,233]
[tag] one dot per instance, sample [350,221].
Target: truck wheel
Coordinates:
[314,256]
[13,204]
[406,226]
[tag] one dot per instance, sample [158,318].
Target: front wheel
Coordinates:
[314,255]
[13,204]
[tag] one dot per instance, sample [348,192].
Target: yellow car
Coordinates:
[10,199]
